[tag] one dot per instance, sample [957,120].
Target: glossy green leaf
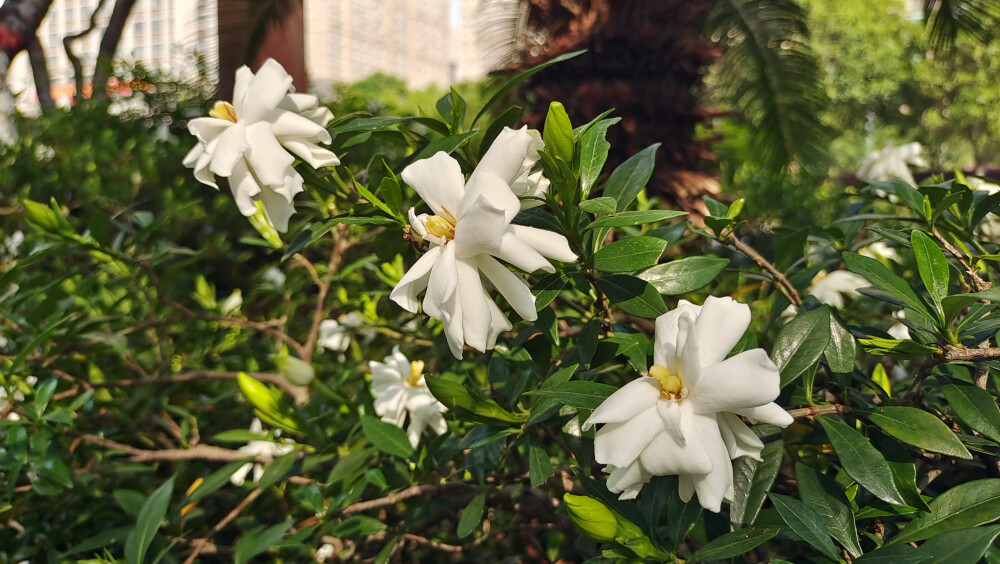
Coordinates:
[539,464]
[633,295]
[884,279]
[472,516]
[841,350]
[862,461]
[683,276]
[100,540]
[631,176]
[966,505]
[932,265]
[629,255]
[602,205]
[470,402]
[751,481]
[976,407]
[805,523]
[259,540]
[634,217]
[826,498]
[593,154]
[277,469]
[953,305]
[964,546]
[548,288]
[893,554]
[800,343]
[918,428]
[148,522]
[577,393]
[386,437]
[899,348]
[734,544]
[356,526]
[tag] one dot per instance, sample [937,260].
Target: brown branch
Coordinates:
[395,498]
[204,542]
[790,292]
[961,353]
[295,391]
[978,284]
[200,452]
[810,412]
[341,243]
[67,41]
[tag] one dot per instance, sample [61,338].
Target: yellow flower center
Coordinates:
[223,110]
[671,385]
[441,226]
[416,371]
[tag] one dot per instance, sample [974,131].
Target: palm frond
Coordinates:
[770,72]
[945,19]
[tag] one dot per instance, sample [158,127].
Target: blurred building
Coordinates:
[168,35]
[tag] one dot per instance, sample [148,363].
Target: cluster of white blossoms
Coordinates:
[259,448]
[399,389]
[469,229]
[683,418]
[892,163]
[254,140]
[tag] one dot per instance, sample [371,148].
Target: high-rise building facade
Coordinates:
[168,35]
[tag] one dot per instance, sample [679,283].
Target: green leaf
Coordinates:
[593,154]
[634,217]
[577,393]
[734,544]
[884,279]
[932,264]
[805,522]
[471,403]
[548,288]
[894,554]
[953,305]
[629,255]
[964,546]
[148,522]
[271,405]
[386,437]
[862,461]
[684,275]
[43,393]
[277,469]
[382,122]
[257,541]
[558,132]
[539,464]
[800,343]
[371,197]
[827,499]
[966,505]
[100,540]
[918,428]
[751,481]
[602,205]
[976,407]
[356,526]
[904,472]
[518,79]
[631,176]
[898,348]
[214,481]
[472,516]
[633,295]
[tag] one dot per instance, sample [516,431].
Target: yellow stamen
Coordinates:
[223,110]
[442,226]
[416,371]
[671,385]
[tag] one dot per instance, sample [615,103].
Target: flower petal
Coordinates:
[439,182]
[495,190]
[415,281]
[721,324]
[739,439]
[316,156]
[268,159]
[770,413]
[229,150]
[293,125]
[748,379]
[264,92]
[546,243]
[638,395]
[665,342]
[506,156]
[627,480]
[480,229]
[442,285]
[279,208]
[670,413]
[620,444]
[514,289]
[521,255]
[244,187]
[713,486]
[476,318]
[665,455]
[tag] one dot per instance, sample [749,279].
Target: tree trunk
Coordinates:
[40,72]
[73,59]
[645,59]
[109,44]
[19,19]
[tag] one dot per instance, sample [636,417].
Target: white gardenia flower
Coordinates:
[880,250]
[254,141]
[336,335]
[898,330]
[892,163]
[683,418]
[274,277]
[259,448]
[398,387]
[831,288]
[469,230]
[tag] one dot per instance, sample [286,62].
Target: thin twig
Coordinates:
[276,379]
[978,284]
[221,525]
[790,292]
[810,412]
[341,243]
[200,452]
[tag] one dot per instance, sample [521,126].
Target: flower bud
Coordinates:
[592,517]
[295,370]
